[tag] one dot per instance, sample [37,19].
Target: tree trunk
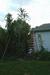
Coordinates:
[6,48]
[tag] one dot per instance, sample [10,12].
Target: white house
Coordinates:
[41,37]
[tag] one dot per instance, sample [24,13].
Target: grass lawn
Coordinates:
[23,67]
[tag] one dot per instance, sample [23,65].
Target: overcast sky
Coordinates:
[38,10]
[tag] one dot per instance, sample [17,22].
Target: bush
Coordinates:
[41,55]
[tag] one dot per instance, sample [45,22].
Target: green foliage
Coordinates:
[9,22]
[15,36]
[3,41]
[21,29]
[41,55]
[22,14]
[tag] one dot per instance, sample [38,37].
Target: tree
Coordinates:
[22,14]
[21,30]
[9,30]
[17,34]
[9,22]
[25,36]
[24,29]
[3,41]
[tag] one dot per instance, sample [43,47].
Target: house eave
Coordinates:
[41,31]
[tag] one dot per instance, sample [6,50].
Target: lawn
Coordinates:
[24,67]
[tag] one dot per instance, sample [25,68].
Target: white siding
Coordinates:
[45,40]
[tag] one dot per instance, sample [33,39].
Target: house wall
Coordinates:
[44,40]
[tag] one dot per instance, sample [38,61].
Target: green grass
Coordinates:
[23,67]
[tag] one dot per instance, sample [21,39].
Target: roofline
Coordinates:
[41,31]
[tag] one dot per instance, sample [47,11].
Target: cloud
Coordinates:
[10,6]
[38,10]
[2,24]
[21,2]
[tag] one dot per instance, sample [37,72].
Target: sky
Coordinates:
[38,10]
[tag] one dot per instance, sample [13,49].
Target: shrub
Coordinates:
[41,55]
